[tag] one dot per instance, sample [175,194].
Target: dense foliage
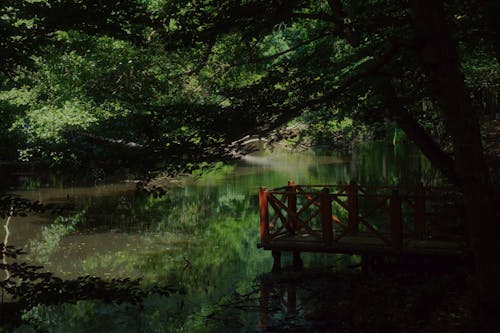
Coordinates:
[93,85]
[176,81]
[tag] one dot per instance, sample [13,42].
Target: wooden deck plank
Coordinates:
[357,249]
[362,244]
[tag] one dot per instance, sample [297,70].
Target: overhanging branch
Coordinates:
[314,16]
[204,59]
[370,69]
[430,148]
[278,54]
[341,19]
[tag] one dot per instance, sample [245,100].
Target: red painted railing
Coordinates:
[329,213]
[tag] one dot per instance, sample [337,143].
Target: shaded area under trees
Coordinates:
[224,69]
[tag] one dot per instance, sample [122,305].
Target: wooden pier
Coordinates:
[355,219]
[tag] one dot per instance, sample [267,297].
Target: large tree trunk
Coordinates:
[395,110]
[440,56]
[430,148]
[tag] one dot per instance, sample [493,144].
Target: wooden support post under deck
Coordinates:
[419,211]
[396,220]
[297,261]
[263,300]
[352,204]
[291,299]
[264,214]
[292,207]
[276,261]
[326,216]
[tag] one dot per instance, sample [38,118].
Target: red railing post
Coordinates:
[352,204]
[396,220]
[419,213]
[326,215]
[292,207]
[264,214]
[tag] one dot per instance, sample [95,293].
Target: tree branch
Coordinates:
[273,56]
[370,69]
[430,148]
[204,59]
[314,16]
[343,21]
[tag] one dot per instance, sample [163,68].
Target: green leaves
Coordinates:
[180,79]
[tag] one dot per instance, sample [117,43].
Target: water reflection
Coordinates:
[201,236]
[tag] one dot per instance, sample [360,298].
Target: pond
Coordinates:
[200,236]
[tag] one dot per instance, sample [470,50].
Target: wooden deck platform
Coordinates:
[365,244]
[357,220]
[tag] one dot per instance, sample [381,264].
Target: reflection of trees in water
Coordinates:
[31,288]
[175,210]
[211,229]
[275,302]
[321,300]
[376,163]
[383,164]
[188,209]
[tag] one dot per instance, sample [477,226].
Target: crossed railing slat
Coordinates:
[332,228]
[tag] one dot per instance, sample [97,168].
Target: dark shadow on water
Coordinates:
[395,296]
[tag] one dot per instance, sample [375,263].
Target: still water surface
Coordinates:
[200,236]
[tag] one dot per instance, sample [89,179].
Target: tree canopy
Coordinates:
[179,81]
[137,70]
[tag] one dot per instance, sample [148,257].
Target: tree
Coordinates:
[469,162]
[399,55]
[256,64]
[86,83]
